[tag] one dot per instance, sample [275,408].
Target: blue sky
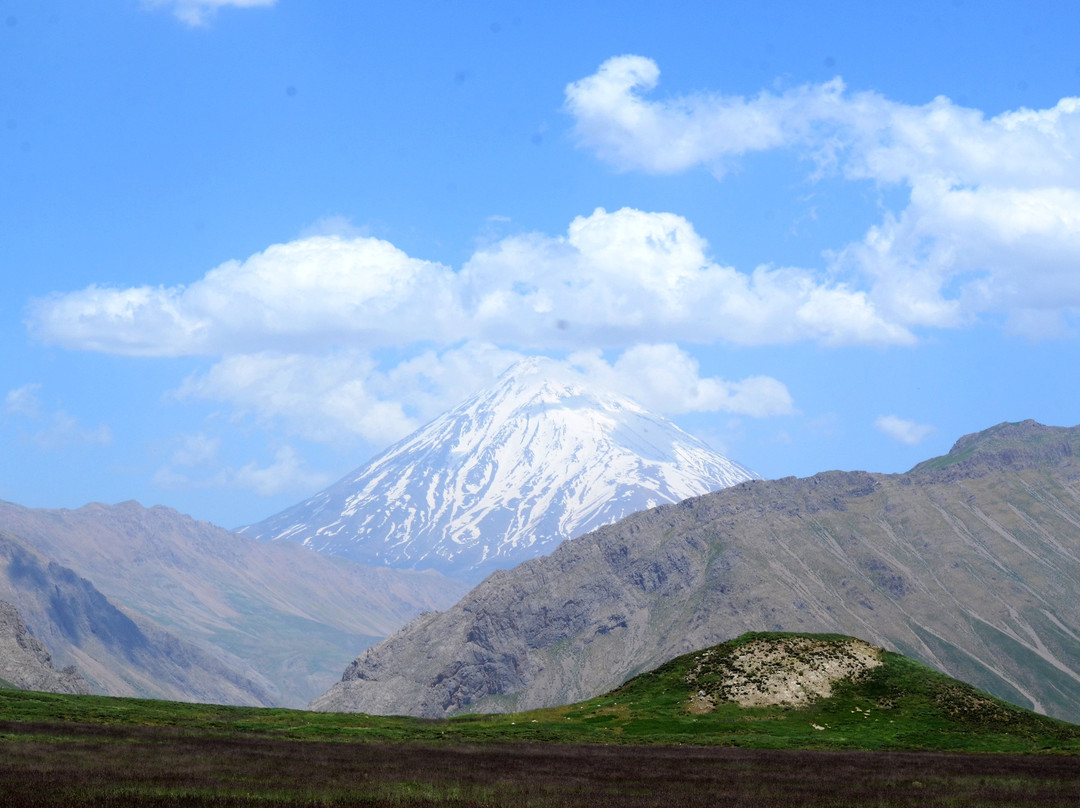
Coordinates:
[246,244]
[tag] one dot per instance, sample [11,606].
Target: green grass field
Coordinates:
[900,734]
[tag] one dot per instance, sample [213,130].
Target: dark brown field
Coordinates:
[47,765]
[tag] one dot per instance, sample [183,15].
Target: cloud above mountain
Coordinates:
[991,223]
[903,430]
[613,280]
[340,336]
[666,379]
[322,398]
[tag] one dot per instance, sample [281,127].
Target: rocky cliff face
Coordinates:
[970,563]
[24,662]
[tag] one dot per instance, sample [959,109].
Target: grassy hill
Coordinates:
[891,702]
[827,719]
[897,703]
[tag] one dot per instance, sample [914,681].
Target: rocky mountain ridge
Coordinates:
[535,459]
[969,562]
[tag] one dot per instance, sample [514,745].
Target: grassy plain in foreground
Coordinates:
[119,766]
[638,745]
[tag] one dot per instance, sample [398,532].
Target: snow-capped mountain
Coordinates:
[506,476]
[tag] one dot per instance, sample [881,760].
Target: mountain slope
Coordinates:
[969,563]
[289,617]
[505,476]
[117,654]
[24,662]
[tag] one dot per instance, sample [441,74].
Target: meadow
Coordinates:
[102,765]
[902,735]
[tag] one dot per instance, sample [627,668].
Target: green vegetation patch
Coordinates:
[897,704]
[886,701]
[652,741]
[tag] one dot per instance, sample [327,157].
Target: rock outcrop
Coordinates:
[24,662]
[793,670]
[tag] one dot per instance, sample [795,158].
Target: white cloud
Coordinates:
[316,290]
[666,379]
[319,397]
[992,224]
[345,397]
[665,136]
[434,381]
[1005,250]
[904,431]
[614,280]
[200,12]
[24,401]
[286,473]
[196,450]
[631,276]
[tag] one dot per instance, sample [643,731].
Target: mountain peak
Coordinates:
[538,378]
[531,365]
[538,457]
[1013,444]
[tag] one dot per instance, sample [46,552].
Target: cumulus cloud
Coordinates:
[629,276]
[287,472]
[613,119]
[666,379]
[435,380]
[318,397]
[991,224]
[904,431]
[200,12]
[613,280]
[316,290]
[345,396]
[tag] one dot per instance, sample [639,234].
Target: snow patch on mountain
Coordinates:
[510,473]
